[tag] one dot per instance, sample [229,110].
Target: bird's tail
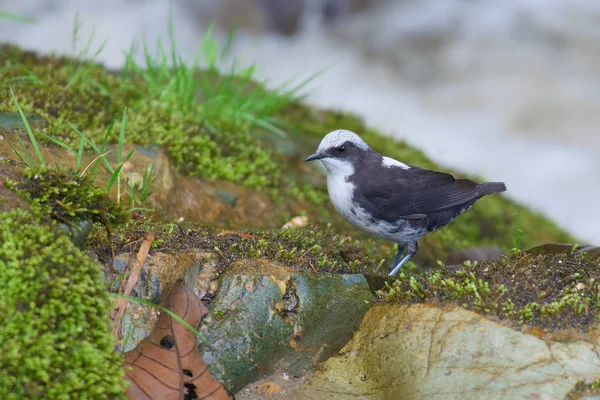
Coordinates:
[491,187]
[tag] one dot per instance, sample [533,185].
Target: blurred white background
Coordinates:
[507,89]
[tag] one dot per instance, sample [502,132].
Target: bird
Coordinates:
[391,199]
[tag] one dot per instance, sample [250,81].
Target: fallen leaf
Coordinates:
[167,365]
[268,388]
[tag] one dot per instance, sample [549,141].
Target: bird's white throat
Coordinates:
[340,169]
[339,188]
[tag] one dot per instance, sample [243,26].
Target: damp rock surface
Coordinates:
[423,351]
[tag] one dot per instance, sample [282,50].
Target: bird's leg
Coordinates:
[398,254]
[412,250]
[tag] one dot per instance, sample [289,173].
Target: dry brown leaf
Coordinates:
[167,365]
[268,388]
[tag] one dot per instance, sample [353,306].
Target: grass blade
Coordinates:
[80,151]
[18,154]
[117,173]
[28,129]
[171,313]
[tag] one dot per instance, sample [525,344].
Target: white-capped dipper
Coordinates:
[391,199]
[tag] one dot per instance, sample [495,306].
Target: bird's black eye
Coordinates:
[341,148]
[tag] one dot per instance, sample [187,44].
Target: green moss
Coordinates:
[55,337]
[315,248]
[67,197]
[552,291]
[212,139]
[581,389]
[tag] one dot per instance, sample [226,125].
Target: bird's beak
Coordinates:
[313,157]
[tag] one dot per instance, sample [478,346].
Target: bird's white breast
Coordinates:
[340,190]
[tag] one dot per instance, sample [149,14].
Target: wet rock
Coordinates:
[12,120]
[265,315]
[148,285]
[78,231]
[137,323]
[422,351]
[219,202]
[226,197]
[158,275]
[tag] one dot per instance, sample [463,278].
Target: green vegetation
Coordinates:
[207,119]
[582,389]
[54,335]
[553,291]
[68,197]
[204,139]
[138,194]
[316,248]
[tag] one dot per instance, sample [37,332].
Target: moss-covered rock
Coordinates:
[54,329]
[550,291]
[316,248]
[66,196]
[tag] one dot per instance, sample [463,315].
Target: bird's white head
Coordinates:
[338,150]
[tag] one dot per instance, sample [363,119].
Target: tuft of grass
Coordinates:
[518,236]
[212,119]
[115,178]
[82,75]
[138,194]
[217,98]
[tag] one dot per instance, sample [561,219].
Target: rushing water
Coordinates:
[506,89]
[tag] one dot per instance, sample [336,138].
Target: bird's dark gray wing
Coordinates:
[410,193]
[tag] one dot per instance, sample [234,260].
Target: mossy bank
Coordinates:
[55,334]
[225,132]
[555,292]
